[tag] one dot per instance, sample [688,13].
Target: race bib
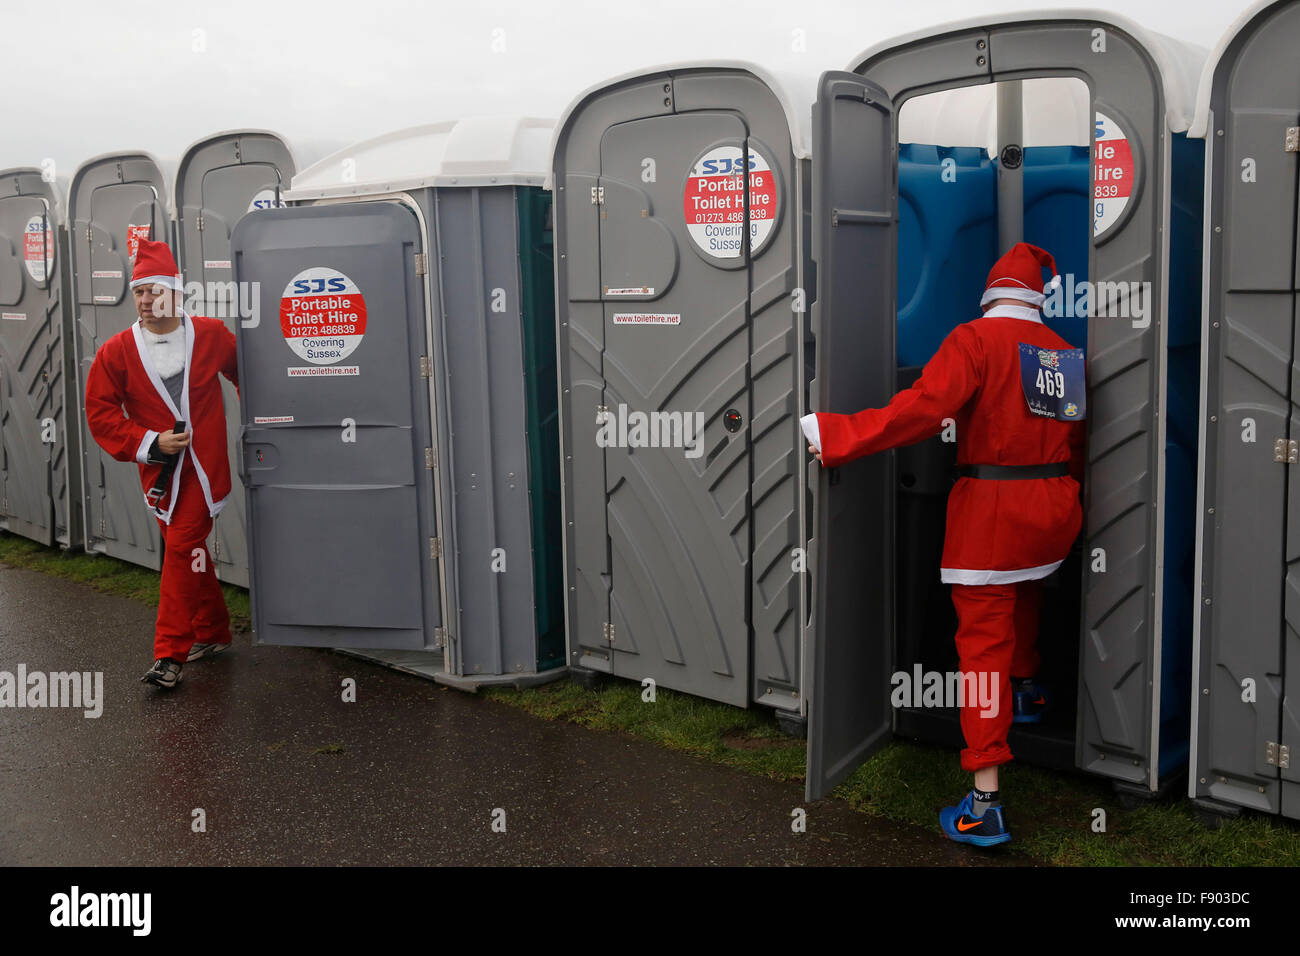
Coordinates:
[1053,382]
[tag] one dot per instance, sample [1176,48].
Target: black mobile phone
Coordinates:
[178,428]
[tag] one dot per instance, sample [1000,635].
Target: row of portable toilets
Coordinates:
[550,424]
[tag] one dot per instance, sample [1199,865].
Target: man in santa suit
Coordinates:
[1016,392]
[160,371]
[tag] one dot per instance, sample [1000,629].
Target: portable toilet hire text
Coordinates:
[220,179]
[114,200]
[399,400]
[38,401]
[729,254]
[1246,690]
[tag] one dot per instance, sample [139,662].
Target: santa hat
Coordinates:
[1019,275]
[155,265]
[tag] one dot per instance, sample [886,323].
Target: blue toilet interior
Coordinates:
[947,242]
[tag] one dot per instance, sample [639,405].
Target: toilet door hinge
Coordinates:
[198,223]
[426,367]
[435,548]
[607,631]
[430,458]
[421,263]
[597,195]
[440,638]
[1276,755]
[1286,452]
[1293,139]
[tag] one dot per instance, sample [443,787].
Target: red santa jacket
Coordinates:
[998,531]
[127,405]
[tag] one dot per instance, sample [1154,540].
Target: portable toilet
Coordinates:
[399,405]
[114,200]
[1246,689]
[38,460]
[220,179]
[744,572]
[1127,589]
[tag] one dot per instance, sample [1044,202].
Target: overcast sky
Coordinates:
[90,77]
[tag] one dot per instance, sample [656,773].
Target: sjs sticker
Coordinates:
[713,201]
[322,315]
[1112,174]
[38,247]
[266,199]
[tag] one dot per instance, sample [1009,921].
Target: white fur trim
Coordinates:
[810,430]
[964,576]
[1010,292]
[142,453]
[171,282]
[1027,312]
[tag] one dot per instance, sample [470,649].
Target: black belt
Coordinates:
[1056,469]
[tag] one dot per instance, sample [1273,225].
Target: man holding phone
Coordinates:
[153,397]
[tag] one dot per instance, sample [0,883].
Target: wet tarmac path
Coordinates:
[285,772]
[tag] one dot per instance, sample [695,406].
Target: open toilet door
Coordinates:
[849,637]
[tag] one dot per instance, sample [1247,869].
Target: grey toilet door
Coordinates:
[31,397]
[227,194]
[676,393]
[854,247]
[1249,641]
[109,217]
[1288,750]
[341,523]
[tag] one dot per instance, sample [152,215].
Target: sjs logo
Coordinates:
[319,284]
[266,199]
[725,166]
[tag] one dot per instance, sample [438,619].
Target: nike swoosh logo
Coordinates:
[963,827]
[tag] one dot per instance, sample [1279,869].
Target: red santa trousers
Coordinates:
[191,607]
[997,634]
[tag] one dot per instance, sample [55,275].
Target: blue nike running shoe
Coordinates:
[960,823]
